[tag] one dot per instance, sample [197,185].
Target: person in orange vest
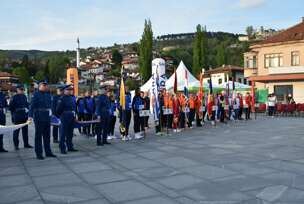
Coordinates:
[176,113]
[247,106]
[182,103]
[210,108]
[198,111]
[192,110]
[170,108]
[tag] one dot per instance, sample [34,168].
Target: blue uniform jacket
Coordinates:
[80,105]
[3,104]
[88,105]
[104,107]
[54,104]
[136,103]
[40,107]
[18,107]
[128,102]
[66,108]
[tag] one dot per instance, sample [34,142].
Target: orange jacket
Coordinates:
[192,103]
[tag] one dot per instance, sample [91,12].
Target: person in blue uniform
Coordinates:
[19,108]
[95,104]
[103,114]
[137,106]
[54,106]
[40,112]
[80,110]
[113,118]
[127,114]
[66,111]
[88,112]
[3,104]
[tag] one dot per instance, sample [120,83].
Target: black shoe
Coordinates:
[50,155]
[99,144]
[63,152]
[73,150]
[40,157]
[28,146]
[3,150]
[108,143]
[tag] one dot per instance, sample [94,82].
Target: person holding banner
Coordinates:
[19,109]
[127,114]
[95,104]
[66,111]
[40,112]
[54,106]
[113,118]
[88,112]
[137,106]
[3,104]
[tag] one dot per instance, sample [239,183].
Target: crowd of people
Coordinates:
[96,114]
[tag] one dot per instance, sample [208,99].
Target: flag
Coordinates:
[175,82]
[210,86]
[122,97]
[201,88]
[186,92]
[154,95]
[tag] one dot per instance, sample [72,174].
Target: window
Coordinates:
[295,58]
[282,91]
[245,81]
[239,80]
[251,62]
[273,60]
[220,81]
[249,83]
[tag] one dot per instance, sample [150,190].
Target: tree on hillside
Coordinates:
[23,75]
[57,68]
[116,58]
[145,51]
[220,55]
[249,31]
[199,51]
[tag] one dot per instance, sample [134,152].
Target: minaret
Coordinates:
[78,54]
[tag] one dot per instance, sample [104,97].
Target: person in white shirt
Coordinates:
[272,100]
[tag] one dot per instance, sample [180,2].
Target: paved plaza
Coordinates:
[259,161]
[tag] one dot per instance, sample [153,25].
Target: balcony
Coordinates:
[286,70]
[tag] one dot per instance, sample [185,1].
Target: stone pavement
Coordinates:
[260,161]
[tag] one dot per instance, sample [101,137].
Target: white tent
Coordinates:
[147,86]
[180,72]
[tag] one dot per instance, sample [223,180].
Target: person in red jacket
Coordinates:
[211,109]
[176,113]
[247,106]
[241,106]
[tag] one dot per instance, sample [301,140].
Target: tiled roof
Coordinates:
[291,34]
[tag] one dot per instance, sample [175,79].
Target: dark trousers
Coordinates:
[169,121]
[222,114]
[138,122]
[87,128]
[112,125]
[80,117]
[127,120]
[191,116]
[2,122]
[240,113]
[212,118]
[103,130]
[55,133]
[146,119]
[181,120]
[198,119]
[247,113]
[271,110]
[24,135]
[42,132]
[66,135]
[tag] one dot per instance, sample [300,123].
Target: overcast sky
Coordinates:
[55,24]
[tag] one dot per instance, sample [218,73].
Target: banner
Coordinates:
[158,82]
[4,130]
[72,78]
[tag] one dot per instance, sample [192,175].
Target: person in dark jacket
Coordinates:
[95,104]
[40,112]
[3,105]
[137,106]
[19,109]
[80,110]
[54,106]
[88,112]
[103,114]
[147,107]
[66,110]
